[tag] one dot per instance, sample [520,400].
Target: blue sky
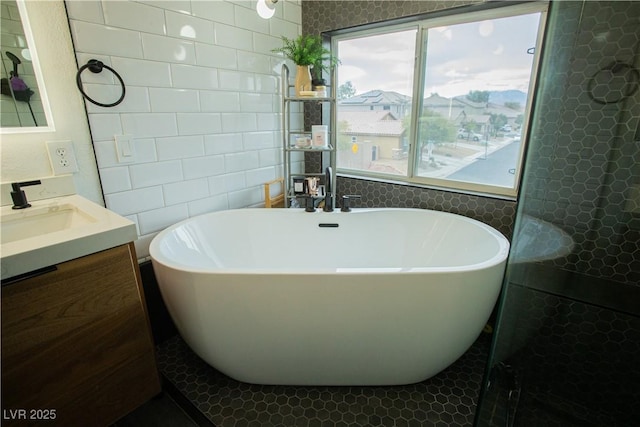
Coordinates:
[485,55]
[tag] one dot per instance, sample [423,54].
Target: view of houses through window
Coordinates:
[373,117]
[474,78]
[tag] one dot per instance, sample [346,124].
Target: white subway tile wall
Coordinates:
[193,77]
[202,104]
[189,27]
[180,147]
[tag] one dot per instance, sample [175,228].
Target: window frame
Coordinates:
[422,26]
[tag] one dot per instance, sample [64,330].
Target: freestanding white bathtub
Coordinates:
[369,297]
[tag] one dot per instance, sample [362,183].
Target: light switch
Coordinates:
[124,148]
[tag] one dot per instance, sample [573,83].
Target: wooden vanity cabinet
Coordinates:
[76,343]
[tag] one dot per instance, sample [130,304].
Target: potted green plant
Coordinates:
[307,51]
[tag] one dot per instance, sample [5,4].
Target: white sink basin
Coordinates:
[33,222]
[56,230]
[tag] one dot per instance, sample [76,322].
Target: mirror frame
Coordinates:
[39,78]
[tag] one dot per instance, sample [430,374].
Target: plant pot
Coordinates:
[318,82]
[303,79]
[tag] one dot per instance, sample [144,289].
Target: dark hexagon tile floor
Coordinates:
[447,399]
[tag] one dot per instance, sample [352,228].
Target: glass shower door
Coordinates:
[566,345]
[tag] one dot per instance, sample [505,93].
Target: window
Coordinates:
[442,102]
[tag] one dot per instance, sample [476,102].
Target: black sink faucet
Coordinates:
[328,190]
[18,196]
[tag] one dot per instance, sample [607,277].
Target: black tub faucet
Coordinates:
[309,204]
[18,196]
[346,202]
[328,190]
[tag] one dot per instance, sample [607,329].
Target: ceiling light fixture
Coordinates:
[266,8]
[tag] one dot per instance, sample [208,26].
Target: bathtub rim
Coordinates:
[499,257]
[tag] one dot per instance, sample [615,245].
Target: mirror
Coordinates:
[23,99]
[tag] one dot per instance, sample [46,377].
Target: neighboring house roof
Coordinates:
[457,109]
[360,116]
[463,100]
[437,101]
[501,109]
[380,123]
[377,97]
[478,108]
[478,118]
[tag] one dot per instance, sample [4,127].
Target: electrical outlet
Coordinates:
[62,157]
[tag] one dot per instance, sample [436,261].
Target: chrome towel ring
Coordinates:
[96,66]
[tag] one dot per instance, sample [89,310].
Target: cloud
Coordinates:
[487,55]
[384,61]
[351,73]
[445,32]
[454,73]
[485,28]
